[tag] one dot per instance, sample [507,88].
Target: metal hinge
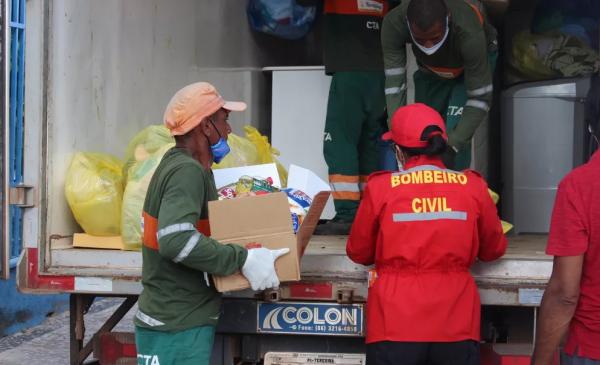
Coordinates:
[21,196]
[345,296]
[272,295]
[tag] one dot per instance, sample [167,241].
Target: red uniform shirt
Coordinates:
[423,228]
[574,231]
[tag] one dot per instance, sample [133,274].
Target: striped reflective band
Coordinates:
[189,246]
[362,185]
[147,319]
[343,186]
[481,91]
[174,228]
[395,71]
[478,104]
[394,90]
[416,217]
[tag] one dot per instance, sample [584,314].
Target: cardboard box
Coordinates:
[265,219]
[88,241]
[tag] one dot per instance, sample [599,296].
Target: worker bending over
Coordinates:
[455,48]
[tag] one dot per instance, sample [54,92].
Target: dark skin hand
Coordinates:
[198,141]
[558,307]
[429,37]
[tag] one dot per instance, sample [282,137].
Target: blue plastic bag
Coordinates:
[281,18]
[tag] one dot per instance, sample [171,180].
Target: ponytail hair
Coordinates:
[436,144]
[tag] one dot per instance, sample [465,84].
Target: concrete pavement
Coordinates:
[49,342]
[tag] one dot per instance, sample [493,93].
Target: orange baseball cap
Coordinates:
[409,122]
[193,103]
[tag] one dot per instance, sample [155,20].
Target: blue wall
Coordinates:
[21,311]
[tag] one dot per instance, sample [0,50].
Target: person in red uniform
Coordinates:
[571,302]
[423,227]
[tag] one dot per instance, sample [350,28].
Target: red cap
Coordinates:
[409,122]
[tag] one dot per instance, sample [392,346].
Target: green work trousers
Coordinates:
[355,120]
[448,97]
[188,347]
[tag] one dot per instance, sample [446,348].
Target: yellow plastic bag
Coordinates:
[266,153]
[505,225]
[255,149]
[94,191]
[144,144]
[139,176]
[527,59]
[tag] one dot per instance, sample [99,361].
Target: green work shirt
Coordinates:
[178,293]
[463,54]
[352,33]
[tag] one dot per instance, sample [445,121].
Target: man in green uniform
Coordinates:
[179,306]
[455,48]
[356,115]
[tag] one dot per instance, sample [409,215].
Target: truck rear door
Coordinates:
[14,193]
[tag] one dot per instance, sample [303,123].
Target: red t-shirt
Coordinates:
[575,230]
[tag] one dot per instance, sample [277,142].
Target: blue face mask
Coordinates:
[221,148]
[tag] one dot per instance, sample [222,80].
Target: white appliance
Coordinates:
[299,106]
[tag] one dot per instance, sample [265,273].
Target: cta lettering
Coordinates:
[373,25]
[429,177]
[430,205]
[148,359]
[455,111]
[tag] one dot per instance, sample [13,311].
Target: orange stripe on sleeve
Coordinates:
[345,195]
[336,178]
[150,229]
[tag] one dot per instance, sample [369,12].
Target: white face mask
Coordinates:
[430,50]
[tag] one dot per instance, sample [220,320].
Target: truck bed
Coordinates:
[518,278]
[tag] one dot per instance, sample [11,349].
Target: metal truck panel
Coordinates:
[327,274]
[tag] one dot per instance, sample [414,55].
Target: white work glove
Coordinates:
[259,267]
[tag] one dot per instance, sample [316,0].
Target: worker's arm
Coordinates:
[568,241]
[557,308]
[478,82]
[362,240]
[178,238]
[393,42]
[492,241]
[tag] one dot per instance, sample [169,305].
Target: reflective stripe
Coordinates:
[481,91]
[345,187]
[395,90]
[395,71]
[174,228]
[147,319]
[478,104]
[189,246]
[415,217]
